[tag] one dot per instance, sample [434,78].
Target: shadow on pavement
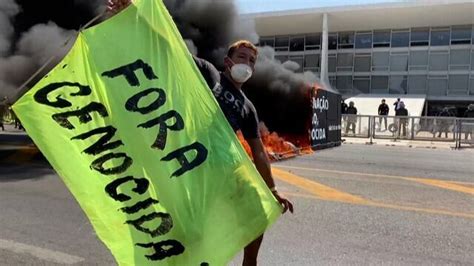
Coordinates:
[30,171]
[9,139]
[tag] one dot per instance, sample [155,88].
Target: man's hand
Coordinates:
[263,167]
[115,6]
[285,203]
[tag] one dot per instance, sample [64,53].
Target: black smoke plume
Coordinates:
[31,32]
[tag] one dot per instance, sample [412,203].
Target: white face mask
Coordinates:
[240,72]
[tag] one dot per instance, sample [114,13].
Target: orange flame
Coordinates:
[286,146]
[277,147]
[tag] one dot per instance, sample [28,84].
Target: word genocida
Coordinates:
[106,154]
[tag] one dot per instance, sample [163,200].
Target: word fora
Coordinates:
[120,160]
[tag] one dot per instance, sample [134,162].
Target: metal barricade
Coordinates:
[429,128]
[356,126]
[404,127]
[465,133]
[435,128]
[392,127]
[415,128]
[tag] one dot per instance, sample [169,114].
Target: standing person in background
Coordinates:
[16,121]
[402,122]
[3,111]
[239,65]
[383,112]
[343,107]
[443,124]
[343,112]
[351,118]
[469,113]
[396,104]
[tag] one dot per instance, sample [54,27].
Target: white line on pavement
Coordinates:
[40,253]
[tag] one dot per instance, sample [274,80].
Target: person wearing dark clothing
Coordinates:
[469,113]
[16,120]
[3,111]
[352,110]
[402,122]
[443,124]
[383,112]
[396,104]
[351,118]
[343,107]
[468,129]
[237,108]
[241,115]
[343,112]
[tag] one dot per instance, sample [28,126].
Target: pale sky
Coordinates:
[253,6]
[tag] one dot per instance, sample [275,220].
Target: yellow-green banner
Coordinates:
[129,124]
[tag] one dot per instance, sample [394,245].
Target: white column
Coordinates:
[324,51]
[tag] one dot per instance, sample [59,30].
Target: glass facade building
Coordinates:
[436,61]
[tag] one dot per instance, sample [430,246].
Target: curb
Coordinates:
[408,144]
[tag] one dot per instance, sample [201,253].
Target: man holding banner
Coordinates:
[241,114]
[239,111]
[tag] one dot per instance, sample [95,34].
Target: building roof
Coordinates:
[421,13]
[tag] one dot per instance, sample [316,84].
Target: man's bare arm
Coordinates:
[263,166]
